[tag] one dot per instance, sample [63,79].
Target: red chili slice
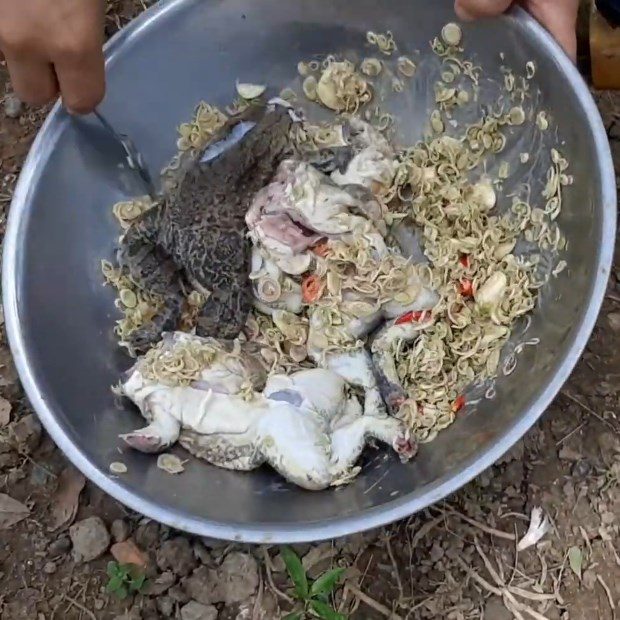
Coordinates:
[410,317]
[458,403]
[466,287]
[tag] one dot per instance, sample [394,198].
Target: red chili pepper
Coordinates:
[458,404]
[410,317]
[464,260]
[466,287]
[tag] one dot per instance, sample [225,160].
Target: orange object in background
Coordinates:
[604,51]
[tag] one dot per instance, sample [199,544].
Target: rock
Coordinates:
[165,606]
[582,468]
[176,555]
[26,433]
[120,530]
[237,578]
[98,604]
[613,318]
[127,552]
[59,546]
[496,610]
[49,568]
[160,584]
[147,535]
[201,553]
[8,460]
[177,594]
[234,581]
[40,477]
[12,106]
[214,543]
[90,539]
[197,611]
[567,453]
[203,586]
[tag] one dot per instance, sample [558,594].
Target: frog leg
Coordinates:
[296,445]
[160,434]
[355,367]
[349,440]
[234,451]
[154,271]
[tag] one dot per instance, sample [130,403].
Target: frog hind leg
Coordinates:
[154,271]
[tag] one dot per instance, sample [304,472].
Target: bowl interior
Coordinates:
[158,70]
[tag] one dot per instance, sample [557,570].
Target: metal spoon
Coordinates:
[134,158]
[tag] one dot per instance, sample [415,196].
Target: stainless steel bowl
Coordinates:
[60,317]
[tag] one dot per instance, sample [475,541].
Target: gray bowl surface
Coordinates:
[60,317]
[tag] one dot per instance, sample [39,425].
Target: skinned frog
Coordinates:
[196,235]
[304,425]
[301,206]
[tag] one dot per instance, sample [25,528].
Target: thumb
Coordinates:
[473,9]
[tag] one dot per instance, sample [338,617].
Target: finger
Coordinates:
[82,80]
[474,9]
[33,80]
[560,19]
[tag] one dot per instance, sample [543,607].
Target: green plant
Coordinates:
[314,596]
[124,579]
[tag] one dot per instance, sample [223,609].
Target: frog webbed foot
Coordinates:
[224,313]
[161,433]
[144,337]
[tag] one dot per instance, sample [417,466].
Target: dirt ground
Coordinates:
[458,560]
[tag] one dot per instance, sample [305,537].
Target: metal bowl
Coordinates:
[60,318]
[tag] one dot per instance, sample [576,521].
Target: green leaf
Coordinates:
[137,583]
[122,592]
[326,582]
[114,584]
[296,615]
[296,572]
[325,611]
[575,560]
[112,569]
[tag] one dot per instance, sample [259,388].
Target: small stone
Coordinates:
[613,318]
[496,609]
[567,453]
[12,106]
[26,432]
[120,530]
[203,586]
[49,568]
[165,606]
[589,579]
[176,555]
[237,577]
[197,611]
[160,584]
[90,539]
[582,468]
[59,547]
[214,543]
[201,553]
[40,477]
[127,552]
[98,604]
[178,595]
[147,535]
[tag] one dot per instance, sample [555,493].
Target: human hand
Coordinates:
[53,47]
[559,17]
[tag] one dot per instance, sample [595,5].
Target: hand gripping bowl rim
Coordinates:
[374,517]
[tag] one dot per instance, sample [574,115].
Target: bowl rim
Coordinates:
[340,526]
